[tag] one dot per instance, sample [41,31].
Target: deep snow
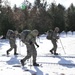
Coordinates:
[63,64]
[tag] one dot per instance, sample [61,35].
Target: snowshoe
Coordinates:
[7,52]
[51,51]
[15,53]
[55,53]
[35,64]
[22,62]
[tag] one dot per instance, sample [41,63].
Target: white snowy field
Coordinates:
[64,64]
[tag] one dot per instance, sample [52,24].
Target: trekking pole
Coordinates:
[19,46]
[30,62]
[62,46]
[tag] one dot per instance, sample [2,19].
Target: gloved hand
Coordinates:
[57,37]
[30,42]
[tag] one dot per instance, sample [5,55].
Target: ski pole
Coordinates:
[30,62]
[19,46]
[62,46]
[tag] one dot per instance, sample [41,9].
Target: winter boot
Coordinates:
[51,51]
[15,53]
[55,53]
[35,64]
[22,62]
[7,52]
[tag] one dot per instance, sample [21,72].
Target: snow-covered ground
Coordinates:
[64,64]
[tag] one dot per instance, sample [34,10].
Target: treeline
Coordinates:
[40,16]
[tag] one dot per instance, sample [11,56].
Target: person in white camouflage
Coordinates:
[11,36]
[30,43]
[54,39]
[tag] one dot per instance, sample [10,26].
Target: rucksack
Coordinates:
[9,33]
[49,34]
[24,34]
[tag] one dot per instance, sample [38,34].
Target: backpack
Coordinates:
[49,34]
[24,34]
[9,33]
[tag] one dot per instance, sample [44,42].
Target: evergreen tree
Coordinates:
[70,18]
[57,19]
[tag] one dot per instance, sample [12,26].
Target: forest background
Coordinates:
[41,16]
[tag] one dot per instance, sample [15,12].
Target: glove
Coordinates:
[57,37]
[30,42]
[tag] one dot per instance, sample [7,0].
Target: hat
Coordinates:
[56,29]
[34,32]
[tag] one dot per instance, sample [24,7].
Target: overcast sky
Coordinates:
[65,3]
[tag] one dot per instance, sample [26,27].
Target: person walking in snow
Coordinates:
[54,39]
[30,43]
[11,36]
